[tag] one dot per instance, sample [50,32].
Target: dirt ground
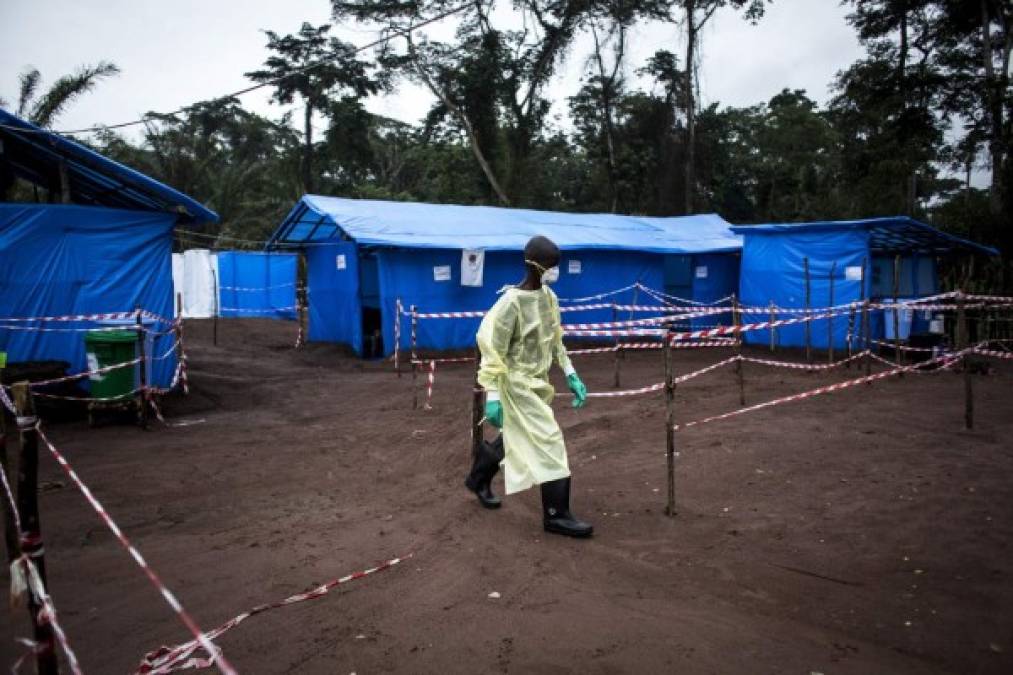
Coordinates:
[861,532]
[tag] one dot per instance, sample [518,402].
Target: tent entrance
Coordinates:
[372,321]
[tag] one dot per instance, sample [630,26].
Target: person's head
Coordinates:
[540,256]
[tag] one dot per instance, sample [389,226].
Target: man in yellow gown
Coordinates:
[519,338]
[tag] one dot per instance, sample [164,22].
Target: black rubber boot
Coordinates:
[484,466]
[556,510]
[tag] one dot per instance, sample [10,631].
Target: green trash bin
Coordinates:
[107,348]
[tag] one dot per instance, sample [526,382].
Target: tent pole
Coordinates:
[896,312]
[808,314]
[618,354]
[740,376]
[830,319]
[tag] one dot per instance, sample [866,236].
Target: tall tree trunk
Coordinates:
[307,156]
[691,30]
[994,89]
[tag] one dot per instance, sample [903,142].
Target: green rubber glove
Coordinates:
[578,389]
[494,413]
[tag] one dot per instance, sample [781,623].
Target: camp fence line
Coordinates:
[180,657]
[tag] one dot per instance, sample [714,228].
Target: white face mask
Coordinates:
[549,276]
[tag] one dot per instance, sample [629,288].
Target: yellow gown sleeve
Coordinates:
[493,338]
[558,348]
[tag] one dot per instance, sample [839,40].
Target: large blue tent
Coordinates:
[364,255]
[839,255]
[105,248]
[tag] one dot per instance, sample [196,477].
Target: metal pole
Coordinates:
[830,319]
[965,362]
[31,528]
[808,316]
[214,280]
[142,395]
[669,424]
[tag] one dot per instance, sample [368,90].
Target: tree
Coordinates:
[44,109]
[313,66]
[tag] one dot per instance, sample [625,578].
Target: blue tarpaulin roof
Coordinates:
[35,154]
[896,234]
[451,226]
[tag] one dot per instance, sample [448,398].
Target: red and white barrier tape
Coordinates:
[600,296]
[169,659]
[993,352]
[215,654]
[804,366]
[460,359]
[255,289]
[743,328]
[820,390]
[273,310]
[643,332]
[990,298]
[903,348]
[72,317]
[658,294]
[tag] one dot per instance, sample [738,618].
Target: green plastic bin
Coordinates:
[108,348]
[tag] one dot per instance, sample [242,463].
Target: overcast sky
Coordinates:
[178,52]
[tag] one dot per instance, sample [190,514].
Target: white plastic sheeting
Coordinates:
[195,275]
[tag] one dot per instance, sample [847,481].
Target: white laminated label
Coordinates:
[93,365]
[441,273]
[573,267]
[853,273]
[472,267]
[341,262]
[701,271]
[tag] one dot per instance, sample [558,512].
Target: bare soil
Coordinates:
[860,532]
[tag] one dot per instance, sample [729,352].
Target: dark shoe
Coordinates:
[484,467]
[556,510]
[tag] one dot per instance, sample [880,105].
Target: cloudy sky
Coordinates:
[175,53]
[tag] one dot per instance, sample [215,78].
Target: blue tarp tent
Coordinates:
[363,255]
[259,285]
[773,269]
[106,249]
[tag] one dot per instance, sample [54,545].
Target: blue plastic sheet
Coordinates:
[260,285]
[335,310]
[70,260]
[773,269]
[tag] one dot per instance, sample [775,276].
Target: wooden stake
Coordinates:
[10,530]
[214,334]
[397,336]
[866,345]
[415,358]
[142,395]
[180,353]
[737,321]
[808,315]
[615,319]
[669,424]
[830,319]
[28,508]
[896,312]
[851,335]
[965,362]
[773,331]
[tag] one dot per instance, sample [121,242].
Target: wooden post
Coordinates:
[737,321]
[31,529]
[477,409]
[397,336]
[896,312]
[214,335]
[180,352]
[865,318]
[10,530]
[669,424]
[773,331]
[414,358]
[142,395]
[808,315]
[830,319]
[962,343]
[851,334]
[615,320]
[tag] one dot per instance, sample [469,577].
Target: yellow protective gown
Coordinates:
[519,338]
